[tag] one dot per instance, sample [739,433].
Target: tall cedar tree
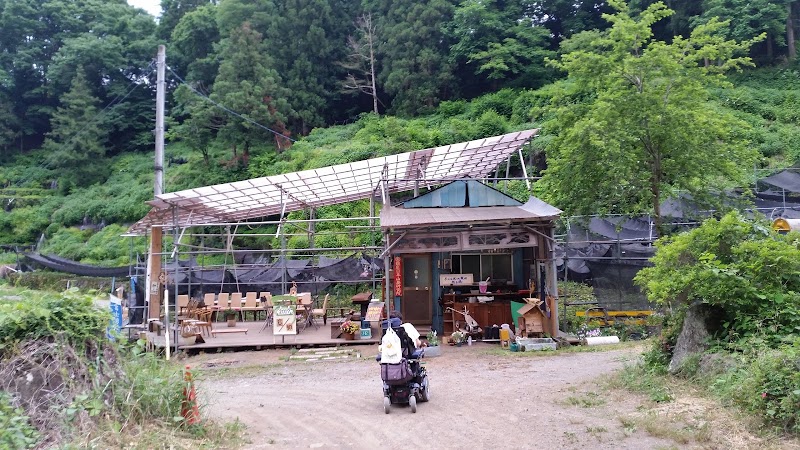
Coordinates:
[305,45]
[415,68]
[648,130]
[76,146]
[247,84]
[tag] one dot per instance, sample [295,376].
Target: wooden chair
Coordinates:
[204,321]
[210,299]
[321,312]
[266,303]
[222,302]
[250,304]
[183,303]
[304,308]
[237,302]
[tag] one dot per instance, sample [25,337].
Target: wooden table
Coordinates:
[363,300]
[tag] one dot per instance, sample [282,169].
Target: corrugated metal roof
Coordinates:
[533,210]
[261,197]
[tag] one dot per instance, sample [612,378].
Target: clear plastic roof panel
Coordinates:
[261,197]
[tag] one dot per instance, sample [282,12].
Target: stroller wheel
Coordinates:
[425,390]
[412,402]
[386,405]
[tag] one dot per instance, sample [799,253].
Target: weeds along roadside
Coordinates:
[62,381]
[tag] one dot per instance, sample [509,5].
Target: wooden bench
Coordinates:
[228,330]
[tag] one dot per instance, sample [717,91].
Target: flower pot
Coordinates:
[232,322]
[349,336]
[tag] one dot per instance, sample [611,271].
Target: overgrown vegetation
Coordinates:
[62,380]
[748,274]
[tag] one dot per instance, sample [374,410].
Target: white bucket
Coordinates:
[483,286]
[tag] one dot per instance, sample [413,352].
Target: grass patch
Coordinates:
[637,379]
[499,351]
[245,371]
[208,435]
[586,400]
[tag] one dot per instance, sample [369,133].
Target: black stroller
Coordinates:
[407,381]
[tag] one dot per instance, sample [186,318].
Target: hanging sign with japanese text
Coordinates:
[398,276]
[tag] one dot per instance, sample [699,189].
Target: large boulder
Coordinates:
[700,322]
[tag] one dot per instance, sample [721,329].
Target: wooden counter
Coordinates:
[486,314]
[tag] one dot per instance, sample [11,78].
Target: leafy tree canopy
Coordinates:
[645,128]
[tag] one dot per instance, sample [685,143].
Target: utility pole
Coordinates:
[153,282]
[158,187]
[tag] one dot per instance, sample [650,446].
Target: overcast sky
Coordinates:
[151,6]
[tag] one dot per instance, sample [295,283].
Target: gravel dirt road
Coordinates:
[480,399]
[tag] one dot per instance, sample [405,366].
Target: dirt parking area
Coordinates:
[481,398]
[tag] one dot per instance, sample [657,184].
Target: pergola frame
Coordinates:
[239,203]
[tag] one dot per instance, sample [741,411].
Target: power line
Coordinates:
[224,108]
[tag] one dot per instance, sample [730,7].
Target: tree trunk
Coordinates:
[769,47]
[790,44]
[372,76]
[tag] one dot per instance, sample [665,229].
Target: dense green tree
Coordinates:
[42,42]
[415,68]
[750,18]
[498,41]
[248,84]
[305,45]
[172,11]
[260,14]
[192,46]
[565,18]
[76,145]
[8,124]
[647,130]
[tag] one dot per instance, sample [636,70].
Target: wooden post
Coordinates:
[153,291]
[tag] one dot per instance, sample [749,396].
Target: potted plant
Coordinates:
[433,348]
[457,338]
[349,329]
[230,315]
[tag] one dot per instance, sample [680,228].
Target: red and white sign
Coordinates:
[398,276]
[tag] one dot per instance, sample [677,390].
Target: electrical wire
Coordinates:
[226,109]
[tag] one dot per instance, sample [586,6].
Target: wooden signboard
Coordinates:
[284,320]
[374,311]
[456,279]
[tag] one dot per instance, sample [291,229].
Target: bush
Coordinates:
[63,373]
[70,315]
[767,385]
[739,266]
[15,429]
